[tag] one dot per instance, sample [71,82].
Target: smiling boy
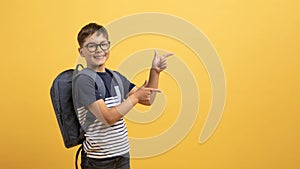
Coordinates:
[106,142]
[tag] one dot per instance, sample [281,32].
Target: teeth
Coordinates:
[98,57]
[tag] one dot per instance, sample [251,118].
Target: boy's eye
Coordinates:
[104,45]
[91,45]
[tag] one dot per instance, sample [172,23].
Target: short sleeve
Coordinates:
[84,91]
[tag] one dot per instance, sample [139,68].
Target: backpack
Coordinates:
[61,95]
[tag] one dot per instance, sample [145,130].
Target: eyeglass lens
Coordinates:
[92,47]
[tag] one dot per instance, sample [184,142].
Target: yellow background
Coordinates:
[258,44]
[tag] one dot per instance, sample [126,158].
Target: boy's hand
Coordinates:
[160,63]
[144,92]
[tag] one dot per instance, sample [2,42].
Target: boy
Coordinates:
[106,142]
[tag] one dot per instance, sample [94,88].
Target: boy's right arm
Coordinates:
[112,115]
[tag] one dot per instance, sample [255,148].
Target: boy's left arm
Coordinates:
[158,65]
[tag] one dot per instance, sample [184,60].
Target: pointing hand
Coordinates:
[160,63]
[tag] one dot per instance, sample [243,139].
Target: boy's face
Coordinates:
[96,57]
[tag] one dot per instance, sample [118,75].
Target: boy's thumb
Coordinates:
[145,83]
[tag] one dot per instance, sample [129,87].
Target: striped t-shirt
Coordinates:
[101,140]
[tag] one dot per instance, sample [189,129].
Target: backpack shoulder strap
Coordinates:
[97,79]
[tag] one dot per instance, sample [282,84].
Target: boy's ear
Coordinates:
[107,53]
[80,52]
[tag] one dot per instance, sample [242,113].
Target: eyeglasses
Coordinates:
[92,47]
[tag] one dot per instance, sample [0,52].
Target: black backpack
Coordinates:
[62,101]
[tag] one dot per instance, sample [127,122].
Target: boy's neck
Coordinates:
[100,68]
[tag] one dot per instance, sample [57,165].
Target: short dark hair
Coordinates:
[89,30]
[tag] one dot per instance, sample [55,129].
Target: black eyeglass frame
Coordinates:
[96,46]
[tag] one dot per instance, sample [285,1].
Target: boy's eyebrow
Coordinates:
[96,43]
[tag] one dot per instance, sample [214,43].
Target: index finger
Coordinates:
[155,90]
[167,55]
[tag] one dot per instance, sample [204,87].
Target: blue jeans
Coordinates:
[120,162]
